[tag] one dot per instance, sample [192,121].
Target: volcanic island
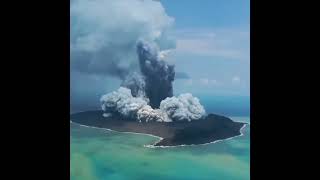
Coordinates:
[207,130]
[145,104]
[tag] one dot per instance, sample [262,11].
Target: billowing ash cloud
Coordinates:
[146,113]
[157,72]
[136,108]
[183,107]
[104,34]
[122,102]
[136,83]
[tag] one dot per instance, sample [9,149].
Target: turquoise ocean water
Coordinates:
[107,155]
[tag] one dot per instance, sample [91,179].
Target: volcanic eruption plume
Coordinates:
[129,40]
[147,95]
[157,72]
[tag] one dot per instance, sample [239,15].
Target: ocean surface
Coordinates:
[98,154]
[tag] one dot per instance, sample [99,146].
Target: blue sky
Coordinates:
[209,13]
[213,45]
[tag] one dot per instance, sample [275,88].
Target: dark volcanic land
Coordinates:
[211,128]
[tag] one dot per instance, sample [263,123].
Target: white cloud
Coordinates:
[236,80]
[213,81]
[204,81]
[208,82]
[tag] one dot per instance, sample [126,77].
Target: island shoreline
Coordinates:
[161,138]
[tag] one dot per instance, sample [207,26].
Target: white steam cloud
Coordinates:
[122,102]
[185,107]
[146,114]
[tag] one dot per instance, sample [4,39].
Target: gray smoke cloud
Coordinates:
[157,72]
[104,34]
[136,83]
